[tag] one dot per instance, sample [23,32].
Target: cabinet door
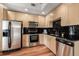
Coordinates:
[3,13]
[50,42]
[53,44]
[41,21]
[73,10]
[76,48]
[34,18]
[62,11]
[64,15]
[41,38]
[11,15]
[45,40]
[48,20]
[22,17]
[25,41]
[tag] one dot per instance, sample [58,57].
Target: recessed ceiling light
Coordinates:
[43,12]
[26,9]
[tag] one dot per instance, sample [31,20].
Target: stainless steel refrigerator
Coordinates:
[10,35]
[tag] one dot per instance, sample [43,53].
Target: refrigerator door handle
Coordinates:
[9,35]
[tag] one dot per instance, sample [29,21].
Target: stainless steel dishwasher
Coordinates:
[64,47]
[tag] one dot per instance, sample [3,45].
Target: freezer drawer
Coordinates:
[5,43]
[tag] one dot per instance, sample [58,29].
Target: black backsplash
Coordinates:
[71,32]
[32,30]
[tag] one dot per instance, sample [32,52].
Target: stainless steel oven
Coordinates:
[34,38]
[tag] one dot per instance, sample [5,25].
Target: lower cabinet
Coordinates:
[76,48]
[41,38]
[50,42]
[53,44]
[25,41]
[56,47]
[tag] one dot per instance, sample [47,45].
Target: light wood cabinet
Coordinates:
[45,40]
[35,18]
[18,16]
[53,44]
[25,41]
[22,17]
[61,11]
[3,13]
[69,14]
[48,20]
[76,48]
[25,18]
[64,15]
[73,11]
[50,42]
[41,38]
[11,15]
[41,21]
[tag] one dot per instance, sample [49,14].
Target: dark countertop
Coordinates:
[26,30]
[41,31]
[61,38]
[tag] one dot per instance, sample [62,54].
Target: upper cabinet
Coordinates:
[25,18]
[69,14]
[63,13]
[41,21]
[48,20]
[60,11]
[3,13]
[11,15]
[22,17]
[73,11]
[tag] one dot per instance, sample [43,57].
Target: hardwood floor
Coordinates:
[33,51]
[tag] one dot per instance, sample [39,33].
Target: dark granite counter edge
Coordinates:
[63,38]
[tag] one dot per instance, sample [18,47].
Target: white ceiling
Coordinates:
[39,8]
